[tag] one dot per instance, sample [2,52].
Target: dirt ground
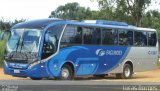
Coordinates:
[147,76]
[7,77]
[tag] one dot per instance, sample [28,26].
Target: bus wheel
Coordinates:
[127,72]
[33,78]
[66,73]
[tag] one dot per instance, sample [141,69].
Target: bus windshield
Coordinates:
[23,42]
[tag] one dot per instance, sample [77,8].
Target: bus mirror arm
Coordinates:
[2,35]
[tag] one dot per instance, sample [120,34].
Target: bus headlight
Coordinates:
[33,64]
[5,63]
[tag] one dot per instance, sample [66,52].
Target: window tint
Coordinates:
[51,46]
[52,42]
[97,36]
[109,36]
[68,35]
[56,30]
[78,35]
[152,39]
[125,37]
[130,37]
[88,35]
[140,38]
[72,35]
[123,40]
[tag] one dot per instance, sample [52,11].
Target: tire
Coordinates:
[33,78]
[66,73]
[127,72]
[99,76]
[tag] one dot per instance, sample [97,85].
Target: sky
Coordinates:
[38,9]
[35,9]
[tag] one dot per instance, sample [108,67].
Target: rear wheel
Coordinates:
[66,73]
[127,72]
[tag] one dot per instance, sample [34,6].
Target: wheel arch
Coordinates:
[71,64]
[130,63]
[123,74]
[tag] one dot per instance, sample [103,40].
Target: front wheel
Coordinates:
[127,72]
[66,73]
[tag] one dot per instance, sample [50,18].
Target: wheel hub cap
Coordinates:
[65,73]
[127,72]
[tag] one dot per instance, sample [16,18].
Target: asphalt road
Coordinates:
[84,85]
[143,81]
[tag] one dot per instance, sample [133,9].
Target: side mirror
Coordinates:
[47,38]
[2,35]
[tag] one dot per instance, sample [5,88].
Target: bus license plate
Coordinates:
[16,71]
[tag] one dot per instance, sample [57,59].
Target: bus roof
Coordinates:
[42,23]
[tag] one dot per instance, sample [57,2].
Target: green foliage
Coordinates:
[132,10]
[2,48]
[71,11]
[152,19]
[17,21]
[6,25]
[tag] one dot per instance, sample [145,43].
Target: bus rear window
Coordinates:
[140,38]
[152,39]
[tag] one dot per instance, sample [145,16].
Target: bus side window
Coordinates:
[140,38]
[123,37]
[152,39]
[50,47]
[144,38]
[78,35]
[97,36]
[130,37]
[72,35]
[68,36]
[109,37]
[87,35]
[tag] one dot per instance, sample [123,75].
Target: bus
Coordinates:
[65,49]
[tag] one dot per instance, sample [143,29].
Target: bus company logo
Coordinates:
[100,52]
[152,52]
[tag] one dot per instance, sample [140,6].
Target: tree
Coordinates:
[18,21]
[6,25]
[151,19]
[71,11]
[123,8]
[136,8]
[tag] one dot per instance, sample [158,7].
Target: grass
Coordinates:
[2,48]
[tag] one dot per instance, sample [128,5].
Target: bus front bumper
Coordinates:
[35,72]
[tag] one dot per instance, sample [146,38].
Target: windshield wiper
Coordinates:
[22,44]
